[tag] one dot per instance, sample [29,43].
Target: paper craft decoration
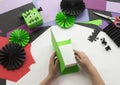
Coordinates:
[49,16]
[97,22]
[32,18]
[72,7]
[18,73]
[12,56]
[20,37]
[113,32]
[64,51]
[65,21]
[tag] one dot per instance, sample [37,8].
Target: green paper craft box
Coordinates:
[64,52]
[32,18]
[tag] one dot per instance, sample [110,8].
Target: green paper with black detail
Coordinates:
[32,18]
[63,69]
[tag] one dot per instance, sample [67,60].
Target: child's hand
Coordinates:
[83,60]
[53,66]
[87,65]
[53,70]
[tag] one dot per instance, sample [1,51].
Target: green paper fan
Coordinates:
[65,21]
[20,37]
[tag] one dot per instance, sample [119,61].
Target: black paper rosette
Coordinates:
[12,56]
[72,7]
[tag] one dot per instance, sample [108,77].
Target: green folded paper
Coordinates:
[65,21]
[20,37]
[61,48]
[97,22]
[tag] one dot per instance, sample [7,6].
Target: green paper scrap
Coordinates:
[65,21]
[97,22]
[65,42]
[56,45]
[20,37]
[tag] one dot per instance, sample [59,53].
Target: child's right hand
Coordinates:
[83,60]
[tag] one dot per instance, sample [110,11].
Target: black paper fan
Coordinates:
[12,56]
[72,7]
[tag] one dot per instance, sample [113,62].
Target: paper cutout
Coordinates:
[95,4]
[48,14]
[50,9]
[64,21]
[12,5]
[20,37]
[113,6]
[113,32]
[12,56]
[13,17]
[104,24]
[115,14]
[83,17]
[103,5]
[19,73]
[32,18]
[72,7]
[24,27]
[64,52]
[97,22]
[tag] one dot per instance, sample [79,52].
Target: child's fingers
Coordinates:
[78,58]
[52,58]
[56,63]
[80,54]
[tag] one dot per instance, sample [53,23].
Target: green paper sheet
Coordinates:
[97,22]
[63,69]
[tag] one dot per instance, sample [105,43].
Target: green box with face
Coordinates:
[32,18]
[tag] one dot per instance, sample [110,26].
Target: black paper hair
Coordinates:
[12,56]
[72,7]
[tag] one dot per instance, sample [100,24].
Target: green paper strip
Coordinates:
[97,22]
[65,42]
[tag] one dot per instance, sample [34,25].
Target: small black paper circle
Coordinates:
[12,56]
[72,7]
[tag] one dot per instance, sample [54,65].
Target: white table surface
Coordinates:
[106,62]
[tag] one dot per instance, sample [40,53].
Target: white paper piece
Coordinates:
[68,55]
[113,6]
[106,62]
[59,34]
[7,5]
